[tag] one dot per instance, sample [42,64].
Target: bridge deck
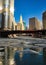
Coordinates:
[21,31]
[34,33]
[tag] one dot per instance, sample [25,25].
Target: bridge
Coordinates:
[35,33]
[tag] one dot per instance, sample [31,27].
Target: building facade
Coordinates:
[20,25]
[7,12]
[7,20]
[34,24]
[44,20]
[11,19]
[0,19]
[1,10]
[24,25]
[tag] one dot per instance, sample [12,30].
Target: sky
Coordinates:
[29,9]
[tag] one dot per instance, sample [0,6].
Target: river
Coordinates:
[30,58]
[27,56]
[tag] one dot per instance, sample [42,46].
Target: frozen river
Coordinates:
[27,41]
[28,58]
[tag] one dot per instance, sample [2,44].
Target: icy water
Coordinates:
[29,58]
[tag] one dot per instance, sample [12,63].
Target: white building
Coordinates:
[20,25]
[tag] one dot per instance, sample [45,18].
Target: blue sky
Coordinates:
[29,9]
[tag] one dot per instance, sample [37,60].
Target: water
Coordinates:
[29,58]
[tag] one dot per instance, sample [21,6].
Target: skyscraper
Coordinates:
[1,9]
[21,20]
[1,5]
[7,11]
[20,25]
[4,11]
[34,24]
[11,15]
[44,19]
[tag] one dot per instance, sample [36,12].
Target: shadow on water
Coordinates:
[29,58]
[44,55]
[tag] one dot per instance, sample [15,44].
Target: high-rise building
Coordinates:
[7,12]
[11,15]
[20,25]
[1,10]
[0,19]
[24,25]
[1,5]
[44,20]
[34,24]
[14,25]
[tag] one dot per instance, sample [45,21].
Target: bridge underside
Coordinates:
[37,33]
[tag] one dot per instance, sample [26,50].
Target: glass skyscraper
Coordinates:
[7,12]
